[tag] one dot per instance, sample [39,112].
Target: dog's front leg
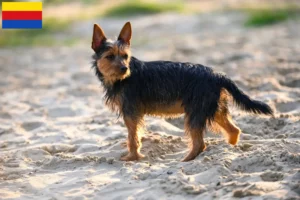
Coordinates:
[134,144]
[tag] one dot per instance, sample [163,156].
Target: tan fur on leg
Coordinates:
[229,128]
[134,143]
[196,143]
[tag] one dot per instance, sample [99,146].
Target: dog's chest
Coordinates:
[114,103]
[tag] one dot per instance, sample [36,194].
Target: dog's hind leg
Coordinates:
[224,120]
[196,143]
[134,143]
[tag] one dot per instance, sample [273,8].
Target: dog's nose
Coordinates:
[123,69]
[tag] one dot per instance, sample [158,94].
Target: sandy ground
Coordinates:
[58,141]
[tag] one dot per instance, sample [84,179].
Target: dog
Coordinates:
[135,88]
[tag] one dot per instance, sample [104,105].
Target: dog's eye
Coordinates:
[125,56]
[110,57]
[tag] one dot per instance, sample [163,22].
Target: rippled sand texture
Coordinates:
[58,141]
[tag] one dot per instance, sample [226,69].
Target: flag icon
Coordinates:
[22,15]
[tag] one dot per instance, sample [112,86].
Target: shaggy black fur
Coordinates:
[163,83]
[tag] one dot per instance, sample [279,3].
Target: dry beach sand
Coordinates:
[59,141]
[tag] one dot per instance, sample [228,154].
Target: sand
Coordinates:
[59,141]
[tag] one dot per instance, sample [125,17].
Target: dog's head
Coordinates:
[112,57]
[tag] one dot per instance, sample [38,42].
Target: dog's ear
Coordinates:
[125,34]
[98,37]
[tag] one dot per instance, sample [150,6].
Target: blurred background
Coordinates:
[258,39]
[67,22]
[256,42]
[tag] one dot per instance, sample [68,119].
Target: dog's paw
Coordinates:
[194,153]
[132,157]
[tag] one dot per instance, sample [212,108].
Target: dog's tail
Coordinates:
[244,101]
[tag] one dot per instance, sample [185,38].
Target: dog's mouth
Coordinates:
[125,74]
[118,76]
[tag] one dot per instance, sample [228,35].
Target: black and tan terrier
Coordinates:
[135,88]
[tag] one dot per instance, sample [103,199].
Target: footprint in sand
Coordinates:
[292,80]
[288,70]
[291,77]
[29,126]
[293,83]
[12,163]
[82,92]
[271,176]
[288,106]
[84,77]
[5,115]
[34,155]
[61,112]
